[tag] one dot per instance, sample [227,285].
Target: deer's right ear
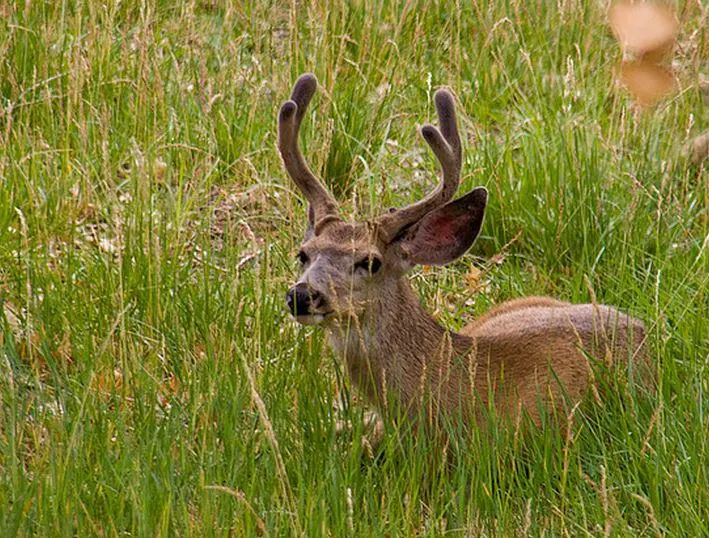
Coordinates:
[445,233]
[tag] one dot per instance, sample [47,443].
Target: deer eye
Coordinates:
[303,257]
[370,264]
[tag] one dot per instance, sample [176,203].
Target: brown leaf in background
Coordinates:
[646,32]
[644,28]
[647,82]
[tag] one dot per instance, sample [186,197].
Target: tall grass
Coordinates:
[150,379]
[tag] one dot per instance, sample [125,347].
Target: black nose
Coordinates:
[300,298]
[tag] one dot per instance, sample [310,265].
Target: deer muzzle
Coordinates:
[307,305]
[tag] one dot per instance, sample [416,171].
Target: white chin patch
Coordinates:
[310,319]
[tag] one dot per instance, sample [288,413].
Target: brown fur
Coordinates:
[521,356]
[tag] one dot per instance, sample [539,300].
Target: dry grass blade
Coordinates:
[271,436]
[239,495]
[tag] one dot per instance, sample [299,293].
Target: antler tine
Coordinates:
[289,118]
[445,143]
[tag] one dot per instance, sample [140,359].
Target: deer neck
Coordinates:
[394,345]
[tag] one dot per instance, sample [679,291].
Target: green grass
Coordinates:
[147,238]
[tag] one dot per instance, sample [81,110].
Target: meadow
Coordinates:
[151,380]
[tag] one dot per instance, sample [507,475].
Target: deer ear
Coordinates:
[445,233]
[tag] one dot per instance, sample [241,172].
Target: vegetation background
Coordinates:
[151,381]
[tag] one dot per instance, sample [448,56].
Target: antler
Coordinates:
[323,205]
[445,143]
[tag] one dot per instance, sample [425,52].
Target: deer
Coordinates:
[528,356]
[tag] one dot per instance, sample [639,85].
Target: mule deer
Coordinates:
[529,355]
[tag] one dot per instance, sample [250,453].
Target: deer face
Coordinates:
[341,270]
[346,266]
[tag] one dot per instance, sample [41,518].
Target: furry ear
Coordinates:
[446,233]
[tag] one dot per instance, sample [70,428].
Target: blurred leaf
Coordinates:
[644,28]
[647,82]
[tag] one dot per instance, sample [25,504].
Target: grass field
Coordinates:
[151,381]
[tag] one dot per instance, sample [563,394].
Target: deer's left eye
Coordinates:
[303,258]
[370,264]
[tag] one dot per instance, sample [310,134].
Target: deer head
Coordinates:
[346,266]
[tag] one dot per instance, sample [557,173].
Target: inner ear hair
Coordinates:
[446,233]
